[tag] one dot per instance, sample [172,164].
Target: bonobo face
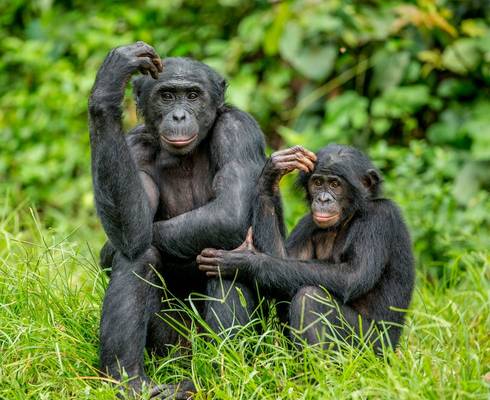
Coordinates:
[327,195]
[180,107]
[343,180]
[182,114]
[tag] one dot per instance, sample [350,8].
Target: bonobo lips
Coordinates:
[180,142]
[324,217]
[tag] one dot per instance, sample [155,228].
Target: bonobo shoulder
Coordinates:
[142,146]
[384,209]
[238,121]
[386,215]
[237,133]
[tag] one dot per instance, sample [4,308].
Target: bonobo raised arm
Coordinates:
[126,215]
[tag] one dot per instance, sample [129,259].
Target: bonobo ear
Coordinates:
[302,183]
[223,86]
[138,83]
[371,181]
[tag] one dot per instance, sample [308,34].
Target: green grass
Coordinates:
[50,295]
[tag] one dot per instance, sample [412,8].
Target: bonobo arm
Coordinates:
[366,246]
[125,198]
[237,152]
[267,222]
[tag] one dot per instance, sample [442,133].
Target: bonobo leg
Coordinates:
[318,318]
[162,334]
[227,311]
[128,303]
[107,254]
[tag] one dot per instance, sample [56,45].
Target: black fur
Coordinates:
[356,268]
[161,201]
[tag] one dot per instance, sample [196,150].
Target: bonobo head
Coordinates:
[179,108]
[343,180]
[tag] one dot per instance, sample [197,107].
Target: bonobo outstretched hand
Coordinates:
[283,162]
[121,63]
[225,263]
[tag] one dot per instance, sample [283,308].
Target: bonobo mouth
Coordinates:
[321,219]
[179,142]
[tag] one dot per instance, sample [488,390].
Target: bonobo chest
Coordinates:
[323,244]
[185,184]
[328,245]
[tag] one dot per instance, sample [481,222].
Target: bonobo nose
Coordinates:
[324,198]
[178,116]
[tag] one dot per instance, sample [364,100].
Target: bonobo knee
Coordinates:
[307,294]
[150,256]
[303,302]
[143,265]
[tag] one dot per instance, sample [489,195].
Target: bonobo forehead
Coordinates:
[179,69]
[341,160]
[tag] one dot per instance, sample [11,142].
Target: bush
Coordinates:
[406,80]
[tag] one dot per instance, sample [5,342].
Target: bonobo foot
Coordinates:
[181,391]
[132,388]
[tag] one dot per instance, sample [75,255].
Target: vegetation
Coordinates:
[405,80]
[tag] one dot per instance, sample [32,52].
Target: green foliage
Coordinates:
[51,292]
[408,81]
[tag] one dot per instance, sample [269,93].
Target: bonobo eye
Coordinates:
[167,96]
[193,95]
[334,183]
[317,182]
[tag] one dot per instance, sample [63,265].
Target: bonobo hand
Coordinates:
[283,162]
[122,62]
[226,263]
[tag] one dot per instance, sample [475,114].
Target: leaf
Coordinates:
[241,297]
[315,62]
[474,27]
[469,181]
[462,57]
[290,43]
[389,69]
[348,109]
[454,88]
[273,34]
[398,101]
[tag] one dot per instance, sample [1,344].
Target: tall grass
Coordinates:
[51,290]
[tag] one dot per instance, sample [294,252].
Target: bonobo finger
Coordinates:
[158,63]
[309,154]
[145,50]
[208,268]
[242,247]
[146,64]
[249,239]
[209,252]
[300,157]
[207,260]
[292,165]
[212,274]
[281,153]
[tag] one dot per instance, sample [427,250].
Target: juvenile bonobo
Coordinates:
[347,266]
[181,182]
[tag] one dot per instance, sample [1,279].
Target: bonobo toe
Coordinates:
[181,391]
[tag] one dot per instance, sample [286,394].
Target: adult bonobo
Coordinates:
[172,187]
[347,266]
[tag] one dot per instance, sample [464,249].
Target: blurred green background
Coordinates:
[407,81]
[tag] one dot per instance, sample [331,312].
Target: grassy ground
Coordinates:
[50,295]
